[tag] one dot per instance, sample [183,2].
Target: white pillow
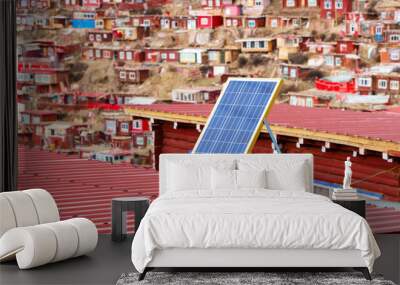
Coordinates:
[192,175]
[251,178]
[288,175]
[291,178]
[223,179]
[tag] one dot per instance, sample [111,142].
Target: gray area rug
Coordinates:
[236,278]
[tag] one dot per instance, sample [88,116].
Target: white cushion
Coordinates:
[188,175]
[251,178]
[23,208]
[46,207]
[288,175]
[41,244]
[223,179]
[7,218]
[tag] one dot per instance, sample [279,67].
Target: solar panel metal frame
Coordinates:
[267,109]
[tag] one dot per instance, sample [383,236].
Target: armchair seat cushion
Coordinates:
[45,243]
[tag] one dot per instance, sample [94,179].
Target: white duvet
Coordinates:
[250,219]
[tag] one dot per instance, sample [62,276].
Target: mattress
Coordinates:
[250,219]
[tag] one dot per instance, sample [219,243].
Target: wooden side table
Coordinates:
[356,206]
[120,206]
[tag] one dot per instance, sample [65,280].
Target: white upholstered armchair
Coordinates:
[31,230]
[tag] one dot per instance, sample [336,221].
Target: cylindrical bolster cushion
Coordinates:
[23,207]
[41,244]
[45,205]
[87,235]
[7,218]
[67,240]
[33,246]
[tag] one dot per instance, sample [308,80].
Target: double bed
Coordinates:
[247,211]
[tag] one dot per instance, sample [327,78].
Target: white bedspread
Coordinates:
[250,219]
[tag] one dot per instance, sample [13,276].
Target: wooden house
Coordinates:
[129,33]
[256,45]
[62,135]
[91,3]
[389,55]
[334,9]
[156,55]
[287,21]
[84,19]
[352,23]
[121,142]
[140,125]
[135,55]
[147,21]
[347,46]
[132,75]
[294,71]
[337,60]
[99,52]
[232,10]
[253,22]
[312,98]
[379,83]
[224,55]
[118,125]
[299,4]
[233,21]
[321,47]
[254,7]
[388,10]
[193,56]
[71,4]
[209,21]
[99,36]
[290,43]
[216,3]
[392,36]
[34,122]
[112,156]
[196,95]
[33,4]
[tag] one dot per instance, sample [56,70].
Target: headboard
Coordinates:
[207,158]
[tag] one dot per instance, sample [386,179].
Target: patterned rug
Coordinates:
[243,278]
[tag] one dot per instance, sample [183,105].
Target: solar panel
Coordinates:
[237,117]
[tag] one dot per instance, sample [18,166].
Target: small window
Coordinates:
[394,85]
[128,55]
[394,38]
[252,44]
[339,4]
[382,84]
[290,3]
[132,75]
[140,141]
[121,55]
[261,44]
[163,55]
[122,74]
[98,37]
[137,124]
[204,21]
[172,55]
[274,23]
[327,4]
[312,3]
[252,23]
[125,127]
[364,81]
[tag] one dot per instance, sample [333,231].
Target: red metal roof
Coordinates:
[373,125]
[84,188]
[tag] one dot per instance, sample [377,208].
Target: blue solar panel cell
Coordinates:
[236,118]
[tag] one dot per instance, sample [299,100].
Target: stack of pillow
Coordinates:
[232,175]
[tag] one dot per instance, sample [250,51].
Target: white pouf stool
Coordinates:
[31,232]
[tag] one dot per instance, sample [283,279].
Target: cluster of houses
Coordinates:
[357,63]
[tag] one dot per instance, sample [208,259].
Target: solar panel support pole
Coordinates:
[272,136]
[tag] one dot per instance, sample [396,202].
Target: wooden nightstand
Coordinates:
[357,206]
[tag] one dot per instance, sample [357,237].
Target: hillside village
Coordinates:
[84,65]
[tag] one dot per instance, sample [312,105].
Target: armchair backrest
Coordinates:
[26,208]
